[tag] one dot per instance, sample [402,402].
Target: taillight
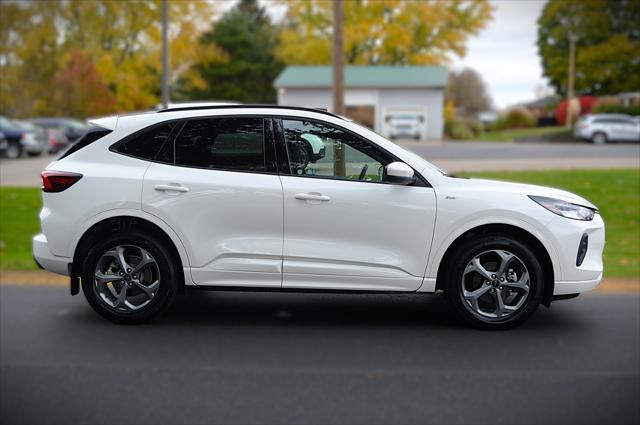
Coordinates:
[57,181]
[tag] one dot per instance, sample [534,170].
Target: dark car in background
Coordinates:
[23,137]
[72,128]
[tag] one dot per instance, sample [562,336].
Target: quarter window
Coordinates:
[222,143]
[321,150]
[151,144]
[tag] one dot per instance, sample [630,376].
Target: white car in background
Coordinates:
[146,205]
[405,126]
[602,128]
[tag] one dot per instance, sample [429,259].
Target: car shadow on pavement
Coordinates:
[326,310]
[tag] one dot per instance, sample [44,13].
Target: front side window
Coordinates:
[222,143]
[151,144]
[322,150]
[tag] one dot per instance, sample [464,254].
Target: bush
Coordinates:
[462,129]
[515,118]
[616,108]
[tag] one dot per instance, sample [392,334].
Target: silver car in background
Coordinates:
[602,128]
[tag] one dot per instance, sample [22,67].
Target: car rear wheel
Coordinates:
[14,150]
[129,278]
[495,282]
[599,138]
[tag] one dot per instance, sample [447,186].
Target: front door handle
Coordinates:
[312,197]
[170,187]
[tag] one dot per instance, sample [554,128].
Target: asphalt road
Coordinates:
[315,358]
[451,156]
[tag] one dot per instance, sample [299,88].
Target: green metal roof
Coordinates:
[364,76]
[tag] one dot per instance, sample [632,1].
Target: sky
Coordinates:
[505,52]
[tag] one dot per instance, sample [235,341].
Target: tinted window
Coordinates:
[148,144]
[321,150]
[222,143]
[93,134]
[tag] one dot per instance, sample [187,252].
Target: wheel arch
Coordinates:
[509,230]
[100,226]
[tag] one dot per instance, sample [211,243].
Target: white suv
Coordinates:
[226,197]
[602,128]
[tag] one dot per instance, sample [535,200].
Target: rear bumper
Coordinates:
[45,259]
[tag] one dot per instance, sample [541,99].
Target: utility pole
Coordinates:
[339,166]
[165,54]
[571,76]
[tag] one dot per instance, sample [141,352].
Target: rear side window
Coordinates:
[151,144]
[93,134]
[222,144]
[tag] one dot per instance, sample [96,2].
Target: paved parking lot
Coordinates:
[451,156]
[228,357]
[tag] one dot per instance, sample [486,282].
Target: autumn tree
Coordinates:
[607,46]
[468,92]
[247,66]
[78,87]
[382,32]
[122,39]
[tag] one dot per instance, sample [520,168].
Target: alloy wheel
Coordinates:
[495,285]
[126,278]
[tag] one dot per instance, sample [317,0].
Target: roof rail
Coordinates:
[240,106]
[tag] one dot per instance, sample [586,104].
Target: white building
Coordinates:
[377,96]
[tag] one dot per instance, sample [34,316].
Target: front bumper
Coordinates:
[45,259]
[572,278]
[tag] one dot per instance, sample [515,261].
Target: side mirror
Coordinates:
[399,173]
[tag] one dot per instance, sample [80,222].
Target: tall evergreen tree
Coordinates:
[247,40]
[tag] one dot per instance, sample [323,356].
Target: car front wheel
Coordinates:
[494,282]
[129,278]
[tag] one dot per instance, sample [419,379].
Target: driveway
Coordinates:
[228,357]
[450,156]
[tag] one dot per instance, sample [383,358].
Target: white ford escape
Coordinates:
[265,197]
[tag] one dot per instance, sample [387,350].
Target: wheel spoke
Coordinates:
[506,258]
[500,307]
[122,296]
[149,290]
[475,266]
[473,296]
[146,261]
[122,262]
[102,278]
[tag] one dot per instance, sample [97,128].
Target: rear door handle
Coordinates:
[170,187]
[312,197]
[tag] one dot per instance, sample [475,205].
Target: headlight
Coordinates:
[565,209]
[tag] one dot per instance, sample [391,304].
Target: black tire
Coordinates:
[456,265]
[168,270]
[14,150]
[599,138]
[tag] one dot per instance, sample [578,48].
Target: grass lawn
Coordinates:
[535,132]
[615,192]
[19,208]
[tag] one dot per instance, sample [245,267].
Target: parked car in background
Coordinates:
[72,128]
[602,128]
[228,197]
[57,140]
[405,126]
[23,137]
[3,144]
